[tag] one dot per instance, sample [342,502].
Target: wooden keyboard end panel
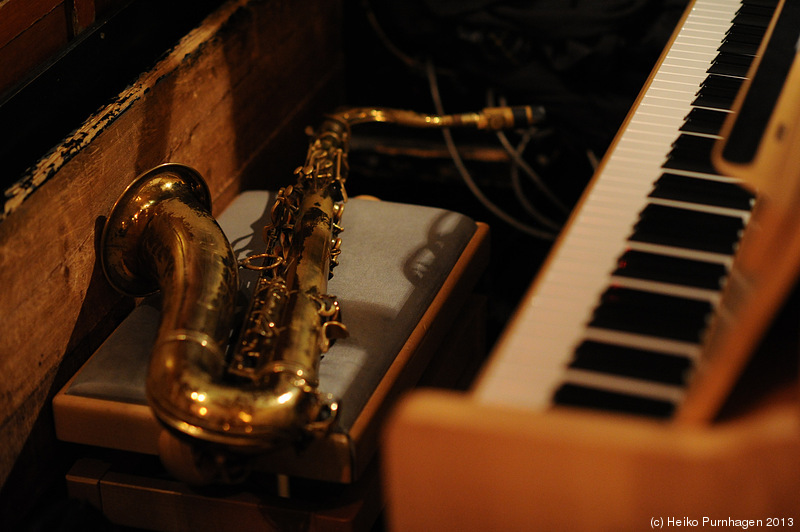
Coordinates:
[452,463]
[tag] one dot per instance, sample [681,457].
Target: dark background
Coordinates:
[583,62]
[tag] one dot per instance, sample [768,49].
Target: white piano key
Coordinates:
[666,98]
[711,209]
[682,253]
[652,127]
[701,175]
[683,85]
[649,343]
[712,296]
[677,72]
[614,383]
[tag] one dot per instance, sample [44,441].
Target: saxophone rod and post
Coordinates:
[263,392]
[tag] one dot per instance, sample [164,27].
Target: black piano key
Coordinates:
[722,84]
[718,92]
[766,3]
[672,270]
[741,42]
[707,121]
[714,101]
[769,3]
[629,362]
[748,17]
[730,65]
[744,35]
[693,153]
[765,88]
[651,314]
[742,31]
[756,9]
[702,191]
[582,396]
[684,228]
[738,47]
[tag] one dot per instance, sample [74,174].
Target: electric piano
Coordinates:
[601,405]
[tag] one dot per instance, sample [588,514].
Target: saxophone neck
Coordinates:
[489,118]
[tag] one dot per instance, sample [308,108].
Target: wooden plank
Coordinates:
[233,96]
[121,489]
[82,15]
[18,16]
[28,37]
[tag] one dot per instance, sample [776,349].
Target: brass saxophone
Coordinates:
[223,405]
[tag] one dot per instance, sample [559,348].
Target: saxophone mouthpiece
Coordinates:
[520,116]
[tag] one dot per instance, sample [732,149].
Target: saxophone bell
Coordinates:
[160,235]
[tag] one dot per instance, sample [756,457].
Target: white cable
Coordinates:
[520,163]
[465,175]
[516,183]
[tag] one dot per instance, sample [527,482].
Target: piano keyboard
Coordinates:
[616,317]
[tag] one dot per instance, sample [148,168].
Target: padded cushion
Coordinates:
[394,259]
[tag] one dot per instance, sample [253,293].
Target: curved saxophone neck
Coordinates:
[489,118]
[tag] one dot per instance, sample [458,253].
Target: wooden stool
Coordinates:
[405,284]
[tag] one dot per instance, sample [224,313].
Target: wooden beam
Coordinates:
[31,31]
[82,15]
